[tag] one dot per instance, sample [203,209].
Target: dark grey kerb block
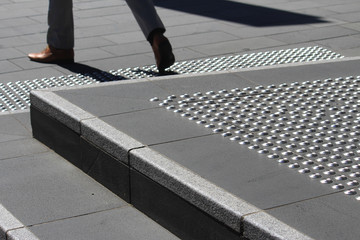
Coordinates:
[55,135]
[108,138]
[208,197]
[105,169]
[174,213]
[59,109]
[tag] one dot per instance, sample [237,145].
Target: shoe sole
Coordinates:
[52,61]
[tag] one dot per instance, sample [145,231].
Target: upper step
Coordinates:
[269,152]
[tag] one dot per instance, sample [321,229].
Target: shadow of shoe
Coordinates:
[95,73]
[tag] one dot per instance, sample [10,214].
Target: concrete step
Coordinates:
[262,153]
[43,196]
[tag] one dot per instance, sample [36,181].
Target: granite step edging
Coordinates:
[243,218]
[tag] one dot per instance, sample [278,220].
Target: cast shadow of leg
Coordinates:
[102,76]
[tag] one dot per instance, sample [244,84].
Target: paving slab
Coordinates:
[313,34]
[15,129]
[321,216]
[24,179]
[233,145]
[246,174]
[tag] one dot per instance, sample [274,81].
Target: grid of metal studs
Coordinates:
[268,58]
[15,96]
[312,127]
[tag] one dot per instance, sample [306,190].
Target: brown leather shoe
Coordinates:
[163,52]
[53,55]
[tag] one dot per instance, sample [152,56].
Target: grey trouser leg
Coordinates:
[146,15]
[61,24]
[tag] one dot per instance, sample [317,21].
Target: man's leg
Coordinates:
[60,35]
[153,29]
[146,16]
[61,24]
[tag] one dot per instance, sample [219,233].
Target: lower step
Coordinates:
[163,206]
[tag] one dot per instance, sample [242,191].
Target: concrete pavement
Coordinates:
[52,198]
[107,36]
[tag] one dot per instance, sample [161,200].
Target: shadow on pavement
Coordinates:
[95,73]
[239,12]
[102,76]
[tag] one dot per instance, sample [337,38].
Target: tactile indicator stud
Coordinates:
[311,127]
[14,96]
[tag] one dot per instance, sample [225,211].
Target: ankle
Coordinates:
[156,35]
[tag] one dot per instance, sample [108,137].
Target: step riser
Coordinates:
[165,207]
